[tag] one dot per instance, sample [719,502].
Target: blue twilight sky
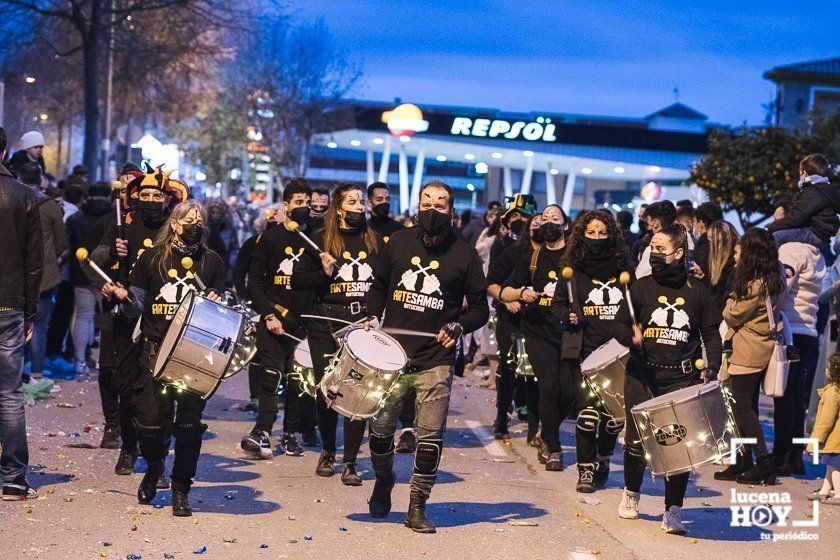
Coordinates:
[620,58]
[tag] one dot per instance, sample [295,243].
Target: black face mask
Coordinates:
[433,223]
[537,236]
[354,220]
[192,234]
[663,272]
[596,247]
[518,227]
[301,215]
[152,212]
[381,210]
[551,231]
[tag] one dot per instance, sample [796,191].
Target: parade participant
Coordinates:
[151,197]
[421,281]
[676,314]
[504,255]
[532,283]
[658,216]
[320,203]
[343,275]
[598,313]
[270,286]
[157,283]
[379,204]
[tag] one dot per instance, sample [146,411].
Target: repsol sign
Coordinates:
[536,131]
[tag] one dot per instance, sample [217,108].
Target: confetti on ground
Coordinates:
[591,500]
[230,541]
[307,537]
[523,523]
[201,550]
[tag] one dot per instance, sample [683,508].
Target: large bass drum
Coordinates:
[199,346]
[362,373]
[685,429]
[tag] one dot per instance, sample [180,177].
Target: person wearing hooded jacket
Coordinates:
[597,314]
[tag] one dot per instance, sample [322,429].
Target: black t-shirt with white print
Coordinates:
[423,288]
[675,319]
[166,286]
[352,273]
[537,318]
[601,306]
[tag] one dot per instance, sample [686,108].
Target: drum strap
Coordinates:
[533,266]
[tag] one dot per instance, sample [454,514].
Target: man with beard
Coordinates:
[421,280]
[320,203]
[118,250]
[379,203]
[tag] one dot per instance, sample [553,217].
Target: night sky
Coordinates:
[621,58]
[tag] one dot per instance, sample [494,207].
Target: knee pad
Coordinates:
[381,444]
[614,427]
[427,457]
[634,448]
[587,420]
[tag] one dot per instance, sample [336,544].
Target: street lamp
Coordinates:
[30,79]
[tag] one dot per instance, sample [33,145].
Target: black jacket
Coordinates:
[814,206]
[23,252]
[19,159]
[82,228]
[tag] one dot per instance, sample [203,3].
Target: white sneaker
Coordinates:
[671,522]
[629,506]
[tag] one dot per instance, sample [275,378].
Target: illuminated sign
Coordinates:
[405,120]
[540,130]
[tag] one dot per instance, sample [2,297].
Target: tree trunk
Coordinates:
[90,56]
[59,160]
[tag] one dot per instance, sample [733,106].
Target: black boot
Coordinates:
[379,503]
[602,472]
[349,476]
[125,462]
[764,472]
[743,463]
[110,438]
[148,486]
[500,427]
[416,519]
[586,478]
[181,500]
[326,464]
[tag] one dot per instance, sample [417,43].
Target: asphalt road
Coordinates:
[491,501]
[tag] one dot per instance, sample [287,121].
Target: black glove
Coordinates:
[711,374]
[453,330]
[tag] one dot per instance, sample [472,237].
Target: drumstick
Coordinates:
[568,273]
[187,263]
[292,225]
[624,278]
[83,256]
[118,186]
[407,332]
[292,337]
[328,319]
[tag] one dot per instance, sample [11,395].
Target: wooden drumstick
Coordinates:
[187,263]
[84,257]
[292,225]
[568,273]
[624,278]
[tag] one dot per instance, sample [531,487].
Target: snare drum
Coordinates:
[520,362]
[362,373]
[685,429]
[303,369]
[199,345]
[603,372]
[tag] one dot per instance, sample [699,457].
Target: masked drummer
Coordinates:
[675,315]
[273,264]
[597,314]
[343,275]
[532,284]
[423,276]
[504,254]
[147,201]
[158,282]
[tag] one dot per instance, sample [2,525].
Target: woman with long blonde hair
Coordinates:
[722,240]
[161,277]
[350,253]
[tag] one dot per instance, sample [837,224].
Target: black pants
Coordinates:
[789,410]
[116,409]
[506,379]
[276,354]
[154,406]
[596,432]
[60,320]
[408,414]
[254,375]
[556,388]
[641,384]
[322,345]
[745,389]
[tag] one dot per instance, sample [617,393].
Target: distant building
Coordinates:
[805,89]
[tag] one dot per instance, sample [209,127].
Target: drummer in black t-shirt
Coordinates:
[598,313]
[675,314]
[533,283]
[341,276]
[158,282]
[421,281]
